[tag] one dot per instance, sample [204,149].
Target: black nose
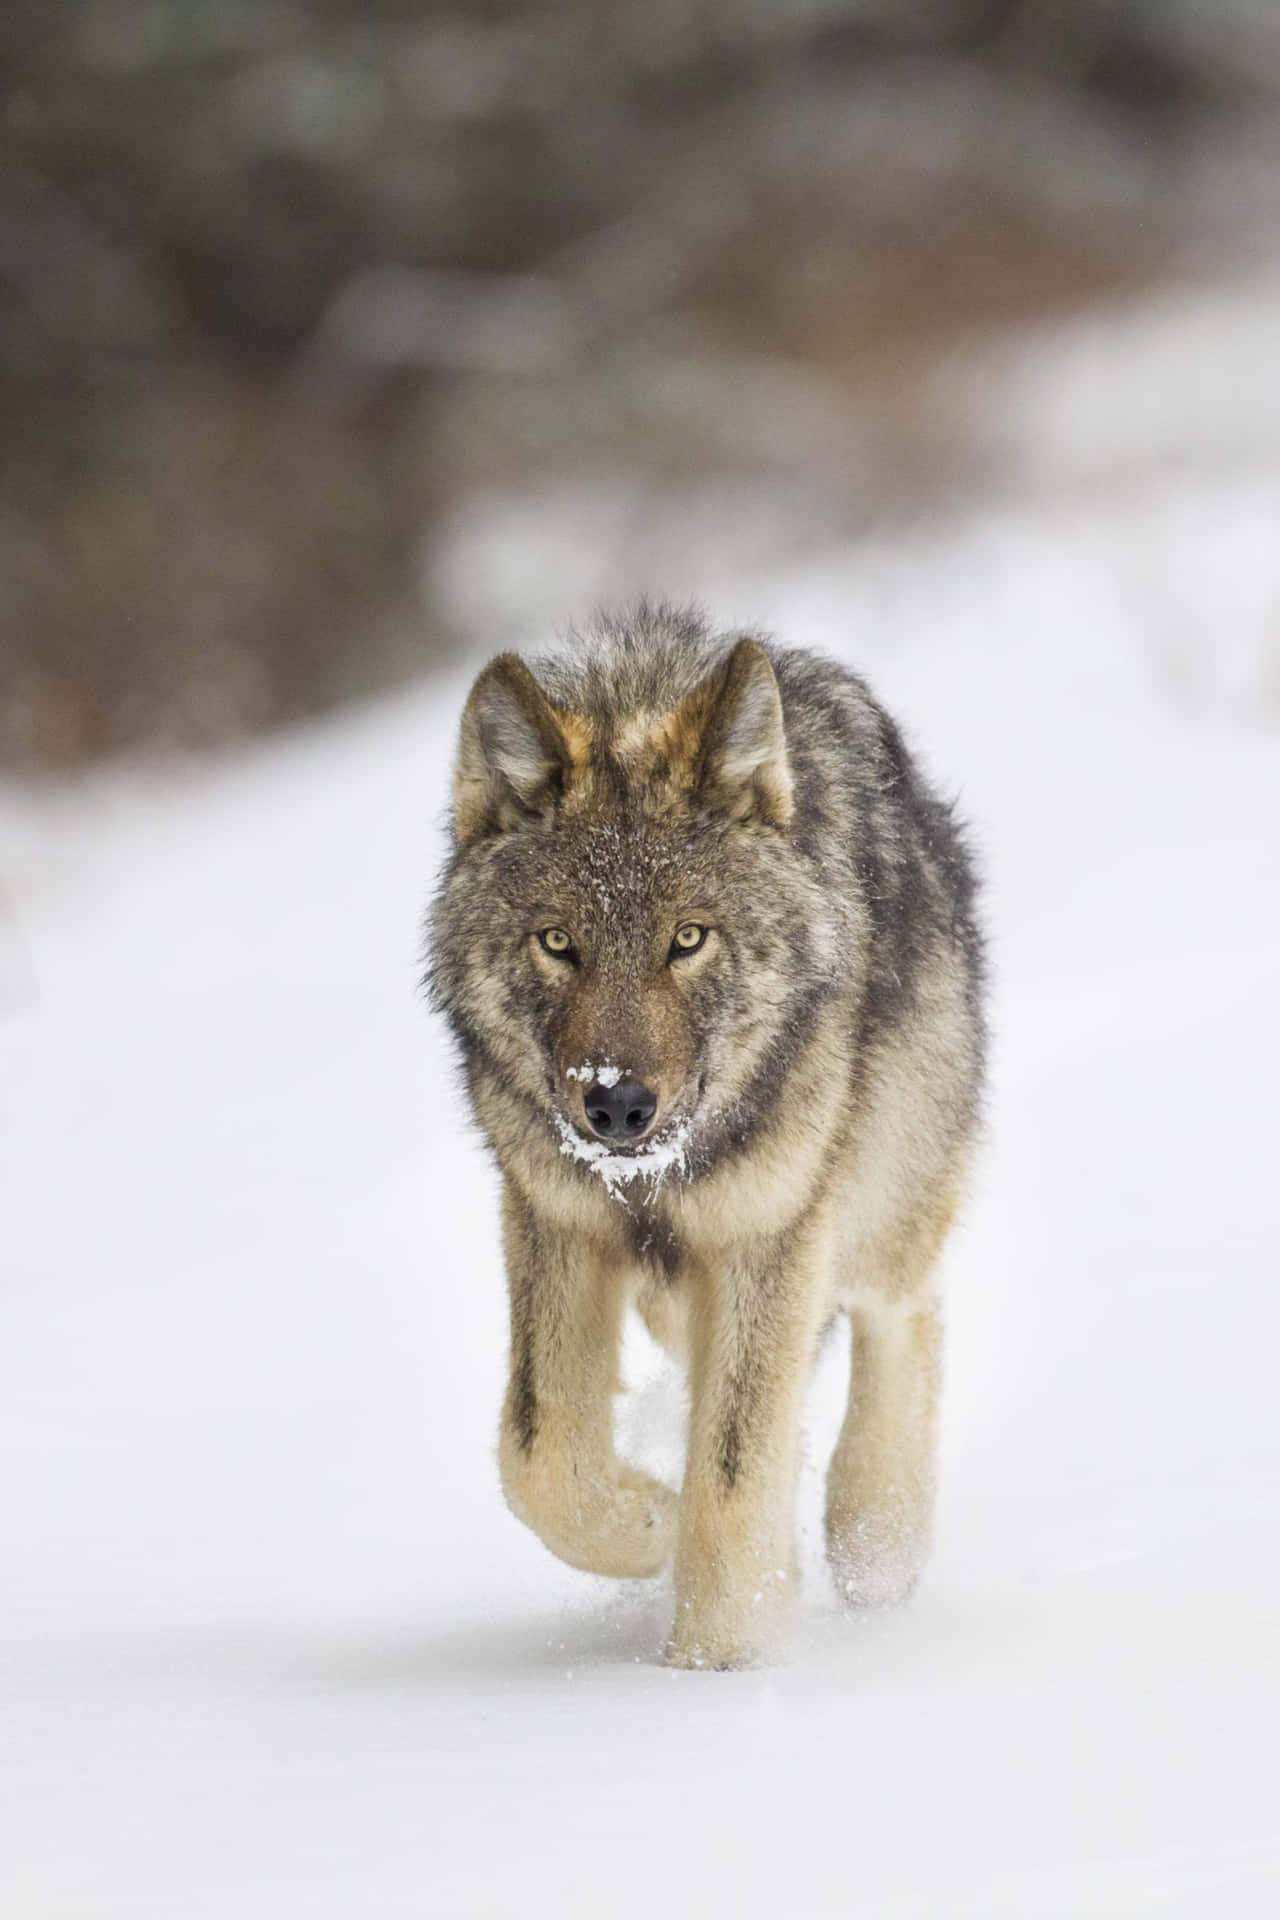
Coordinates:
[620,1111]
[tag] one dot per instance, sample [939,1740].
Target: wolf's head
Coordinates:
[626,926]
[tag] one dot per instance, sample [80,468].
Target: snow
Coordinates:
[665,1153]
[270,1643]
[607,1076]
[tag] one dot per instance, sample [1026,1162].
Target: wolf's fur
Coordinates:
[817,1065]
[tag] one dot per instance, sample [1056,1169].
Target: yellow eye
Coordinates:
[556,941]
[688,938]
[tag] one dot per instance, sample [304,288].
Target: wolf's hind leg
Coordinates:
[880,1485]
[560,1473]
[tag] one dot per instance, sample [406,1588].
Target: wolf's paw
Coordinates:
[874,1563]
[634,1535]
[711,1652]
[620,1523]
[726,1628]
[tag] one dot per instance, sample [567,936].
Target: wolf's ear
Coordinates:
[513,757]
[744,768]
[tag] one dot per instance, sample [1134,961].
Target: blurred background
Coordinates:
[342,343]
[337,337]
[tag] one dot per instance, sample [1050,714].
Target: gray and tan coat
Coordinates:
[707,945]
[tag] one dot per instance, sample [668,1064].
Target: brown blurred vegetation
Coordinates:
[280,283]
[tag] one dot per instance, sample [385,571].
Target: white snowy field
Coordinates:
[270,1643]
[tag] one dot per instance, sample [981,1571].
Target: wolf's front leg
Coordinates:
[560,1474]
[754,1331]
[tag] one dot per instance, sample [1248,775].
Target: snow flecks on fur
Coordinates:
[666,1153]
[603,1076]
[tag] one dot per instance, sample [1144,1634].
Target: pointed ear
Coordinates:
[513,757]
[745,770]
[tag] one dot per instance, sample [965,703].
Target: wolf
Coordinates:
[707,944]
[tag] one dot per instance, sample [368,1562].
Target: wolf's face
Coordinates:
[625,925]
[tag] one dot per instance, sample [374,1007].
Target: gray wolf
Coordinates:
[707,943]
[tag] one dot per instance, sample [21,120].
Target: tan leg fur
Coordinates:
[881,1482]
[559,1471]
[755,1324]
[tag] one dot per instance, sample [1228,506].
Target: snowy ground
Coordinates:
[269,1642]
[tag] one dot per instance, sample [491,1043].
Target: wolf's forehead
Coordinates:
[620,871]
